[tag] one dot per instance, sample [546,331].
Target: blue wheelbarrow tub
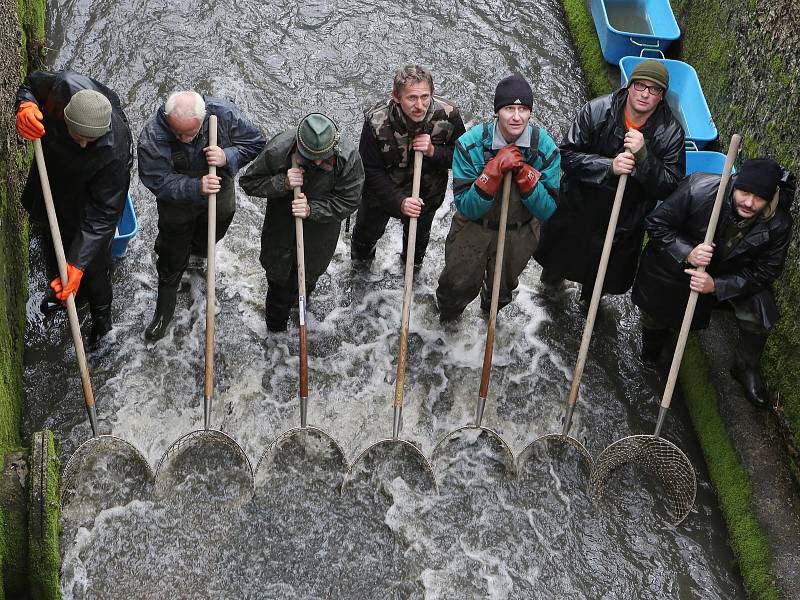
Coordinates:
[685,98]
[704,161]
[625,27]
[127,227]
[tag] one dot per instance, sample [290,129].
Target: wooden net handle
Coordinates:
[411,246]
[498,271]
[597,291]
[211,268]
[74,325]
[301,292]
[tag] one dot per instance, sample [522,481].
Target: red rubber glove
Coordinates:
[526,177]
[507,159]
[29,121]
[63,292]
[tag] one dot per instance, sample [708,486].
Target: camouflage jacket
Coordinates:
[385,149]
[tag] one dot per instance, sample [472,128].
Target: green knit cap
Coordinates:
[317,137]
[88,114]
[651,69]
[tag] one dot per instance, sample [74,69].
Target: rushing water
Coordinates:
[482,534]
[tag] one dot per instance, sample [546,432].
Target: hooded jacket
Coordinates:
[89,184]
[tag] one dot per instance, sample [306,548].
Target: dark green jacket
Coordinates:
[333,196]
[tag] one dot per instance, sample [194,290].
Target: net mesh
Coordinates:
[104,453]
[657,456]
[208,459]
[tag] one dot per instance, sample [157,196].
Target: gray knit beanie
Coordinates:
[88,114]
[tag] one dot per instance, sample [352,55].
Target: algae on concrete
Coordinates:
[21,48]
[44,558]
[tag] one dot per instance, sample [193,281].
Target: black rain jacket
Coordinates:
[572,239]
[678,225]
[89,184]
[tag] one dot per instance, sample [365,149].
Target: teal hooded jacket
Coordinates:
[474,149]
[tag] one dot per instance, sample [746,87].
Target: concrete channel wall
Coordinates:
[29,555]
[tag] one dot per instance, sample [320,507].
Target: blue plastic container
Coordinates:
[127,227]
[704,161]
[685,98]
[625,27]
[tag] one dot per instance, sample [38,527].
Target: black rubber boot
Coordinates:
[653,344]
[165,308]
[361,253]
[745,368]
[277,306]
[550,278]
[101,324]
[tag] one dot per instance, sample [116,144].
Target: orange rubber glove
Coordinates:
[74,275]
[29,121]
[526,177]
[507,159]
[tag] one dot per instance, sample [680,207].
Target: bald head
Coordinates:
[185,112]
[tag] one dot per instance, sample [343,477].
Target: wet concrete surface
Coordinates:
[757,438]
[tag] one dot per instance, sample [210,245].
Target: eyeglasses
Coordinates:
[641,86]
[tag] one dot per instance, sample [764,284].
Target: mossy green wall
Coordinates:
[23,30]
[748,58]
[44,559]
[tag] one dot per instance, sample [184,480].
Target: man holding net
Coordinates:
[748,254]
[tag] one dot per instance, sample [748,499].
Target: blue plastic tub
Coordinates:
[704,161]
[625,27]
[685,98]
[127,227]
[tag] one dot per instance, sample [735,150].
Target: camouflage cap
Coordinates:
[317,137]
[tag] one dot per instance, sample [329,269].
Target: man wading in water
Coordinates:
[483,155]
[331,176]
[631,131]
[412,119]
[748,254]
[174,156]
[88,149]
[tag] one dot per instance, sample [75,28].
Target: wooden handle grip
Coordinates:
[408,285]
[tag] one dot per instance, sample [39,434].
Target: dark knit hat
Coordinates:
[651,69]
[513,90]
[317,137]
[759,176]
[88,114]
